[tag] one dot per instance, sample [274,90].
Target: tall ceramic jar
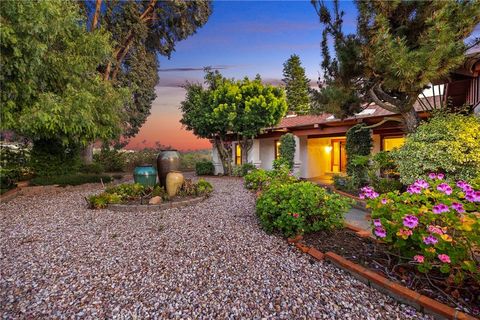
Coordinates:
[174,182]
[167,160]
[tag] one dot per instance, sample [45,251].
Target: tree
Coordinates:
[142,30]
[228,107]
[287,149]
[296,85]
[400,47]
[50,87]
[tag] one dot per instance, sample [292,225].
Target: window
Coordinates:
[277,149]
[390,143]
[339,156]
[238,155]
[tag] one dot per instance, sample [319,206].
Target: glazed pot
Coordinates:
[174,182]
[146,175]
[167,160]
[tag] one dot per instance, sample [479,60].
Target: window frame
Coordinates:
[387,136]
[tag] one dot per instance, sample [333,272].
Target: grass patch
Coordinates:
[70,180]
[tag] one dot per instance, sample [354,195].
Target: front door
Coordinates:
[343,157]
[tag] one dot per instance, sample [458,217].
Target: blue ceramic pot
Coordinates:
[146,175]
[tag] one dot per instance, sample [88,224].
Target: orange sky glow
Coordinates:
[163,124]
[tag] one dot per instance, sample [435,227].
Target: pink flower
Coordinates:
[440,176]
[414,189]
[432,175]
[440,208]
[445,188]
[380,232]
[472,196]
[410,221]
[421,184]
[296,215]
[430,240]
[458,207]
[444,258]
[461,184]
[433,229]
[384,201]
[368,192]
[419,258]
[377,223]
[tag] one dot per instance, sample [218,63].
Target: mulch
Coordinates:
[375,256]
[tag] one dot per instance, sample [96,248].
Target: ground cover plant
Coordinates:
[433,226]
[134,193]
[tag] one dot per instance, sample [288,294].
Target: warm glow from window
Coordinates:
[277,149]
[238,155]
[393,143]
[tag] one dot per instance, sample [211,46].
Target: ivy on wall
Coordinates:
[287,148]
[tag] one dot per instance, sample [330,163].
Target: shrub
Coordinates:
[94,167]
[8,179]
[111,160]
[287,148]
[243,170]
[204,188]
[383,173]
[204,168]
[139,158]
[345,183]
[189,159]
[51,158]
[101,201]
[257,179]
[70,180]
[300,208]
[448,143]
[433,224]
[358,146]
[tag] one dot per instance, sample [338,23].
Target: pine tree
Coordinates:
[296,85]
[399,48]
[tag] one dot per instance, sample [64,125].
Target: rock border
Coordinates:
[393,289]
[154,207]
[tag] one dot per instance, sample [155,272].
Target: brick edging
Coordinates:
[391,288]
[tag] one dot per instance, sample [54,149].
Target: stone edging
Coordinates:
[359,203]
[391,288]
[153,207]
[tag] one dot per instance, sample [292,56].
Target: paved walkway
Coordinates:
[59,259]
[358,217]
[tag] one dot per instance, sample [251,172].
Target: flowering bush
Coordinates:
[433,223]
[299,208]
[261,179]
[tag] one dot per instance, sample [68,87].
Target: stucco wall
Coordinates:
[267,153]
[318,159]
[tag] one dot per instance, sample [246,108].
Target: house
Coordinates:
[320,139]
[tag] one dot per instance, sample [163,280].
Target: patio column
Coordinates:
[254,154]
[217,163]
[297,163]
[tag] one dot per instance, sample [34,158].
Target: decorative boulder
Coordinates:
[155,200]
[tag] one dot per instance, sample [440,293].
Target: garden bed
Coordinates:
[136,206]
[374,256]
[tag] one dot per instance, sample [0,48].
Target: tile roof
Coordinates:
[306,120]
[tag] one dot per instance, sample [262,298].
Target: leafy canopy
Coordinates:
[50,86]
[399,48]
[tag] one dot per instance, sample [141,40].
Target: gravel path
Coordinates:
[59,259]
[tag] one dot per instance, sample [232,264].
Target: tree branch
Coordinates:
[385,105]
[98,6]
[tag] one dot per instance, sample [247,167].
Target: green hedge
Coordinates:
[204,168]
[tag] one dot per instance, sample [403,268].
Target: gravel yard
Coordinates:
[211,260]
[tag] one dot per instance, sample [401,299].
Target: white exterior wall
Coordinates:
[267,153]
[216,161]
[303,157]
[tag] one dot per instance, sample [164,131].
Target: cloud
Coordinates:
[187,69]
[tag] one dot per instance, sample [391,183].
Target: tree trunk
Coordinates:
[245,145]
[96,14]
[87,154]
[411,120]
[225,155]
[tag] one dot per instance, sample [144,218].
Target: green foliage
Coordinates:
[243,170]
[256,179]
[204,168]
[432,219]
[204,188]
[14,166]
[128,191]
[111,160]
[296,85]
[243,107]
[446,143]
[50,85]
[345,183]
[287,148]
[300,208]
[51,158]
[8,179]
[189,159]
[261,179]
[92,168]
[398,49]
[358,146]
[70,179]
[383,173]
[102,200]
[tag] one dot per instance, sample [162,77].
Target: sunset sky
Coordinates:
[241,38]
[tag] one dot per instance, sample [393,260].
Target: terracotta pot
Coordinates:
[174,182]
[167,160]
